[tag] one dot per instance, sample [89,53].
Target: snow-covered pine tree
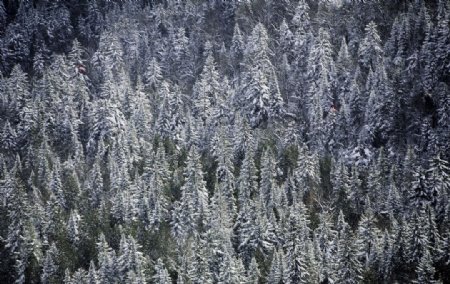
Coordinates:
[301,28]
[381,108]
[348,266]
[192,208]
[260,94]
[370,51]
[73,227]
[161,274]
[321,81]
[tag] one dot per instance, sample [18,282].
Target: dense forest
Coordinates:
[224,141]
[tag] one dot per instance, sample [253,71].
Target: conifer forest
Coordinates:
[224,141]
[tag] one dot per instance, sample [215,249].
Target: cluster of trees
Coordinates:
[257,141]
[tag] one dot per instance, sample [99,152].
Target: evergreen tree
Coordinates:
[237,48]
[261,98]
[425,271]
[443,36]
[302,44]
[268,185]
[253,272]
[438,181]
[162,275]
[381,108]
[17,242]
[307,173]
[348,268]
[225,177]
[417,239]
[342,187]
[419,192]
[276,268]
[285,40]
[50,266]
[321,77]
[206,91]
[198,270]
[171,120]
[153,75]
[324,247]
[385,259]
[92,277]
[428,60]
[130,261]
[106,261]
[296,247]
[78,276]
[367,239]
[3,16]
[370,51]
[73,227]
[192,209]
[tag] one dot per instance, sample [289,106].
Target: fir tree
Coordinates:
[370,52]
[193,206]
[348,268]
[50,266]
[261,95]
[162,275]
